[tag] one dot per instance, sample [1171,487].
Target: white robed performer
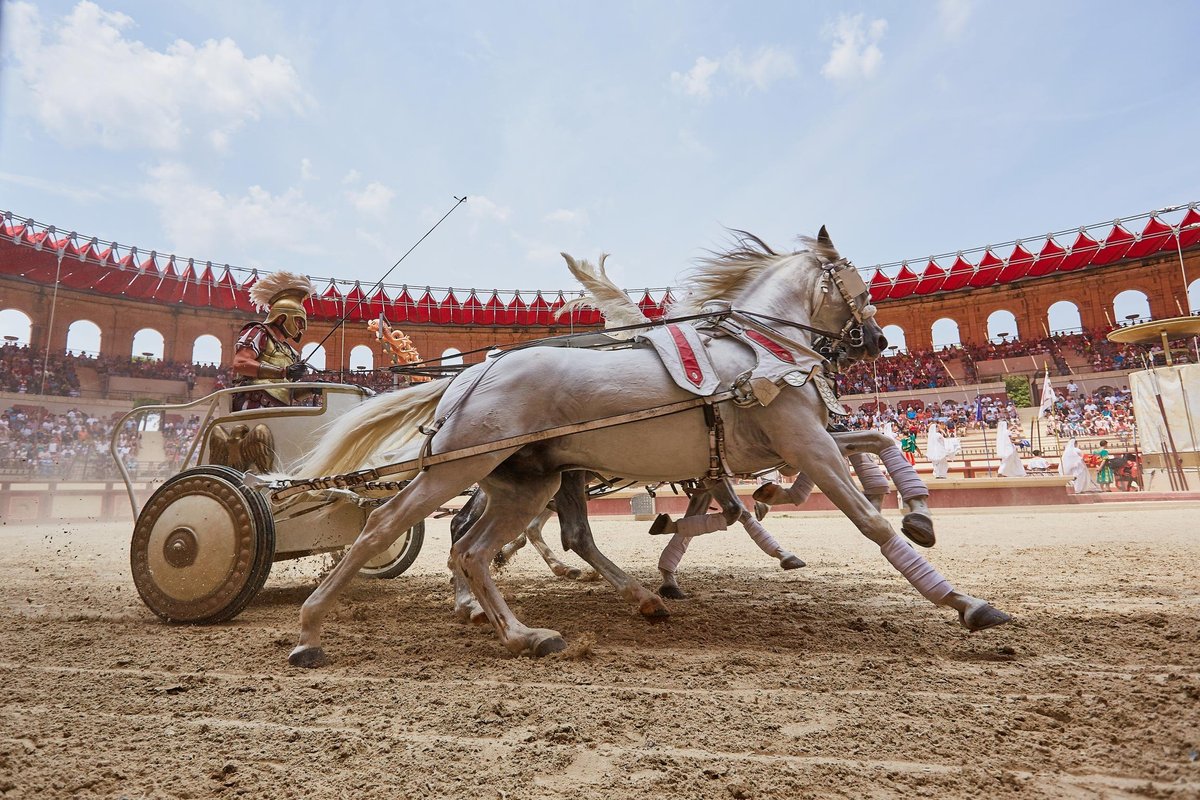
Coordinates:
[1006,451]
[937,452]
[1072,466]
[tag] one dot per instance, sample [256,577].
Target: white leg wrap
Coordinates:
[672,554]
[920,573]
[869,475]
[765,541]
[799,491]
[700,524]
[904,475]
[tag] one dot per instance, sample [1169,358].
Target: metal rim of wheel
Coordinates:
[399,557]
[202,546]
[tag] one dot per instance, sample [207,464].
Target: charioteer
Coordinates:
[265,353]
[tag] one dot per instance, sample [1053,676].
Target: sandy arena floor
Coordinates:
[837,680]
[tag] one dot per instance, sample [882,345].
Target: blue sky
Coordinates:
[327,137]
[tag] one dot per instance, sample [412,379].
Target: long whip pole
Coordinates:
[458,202]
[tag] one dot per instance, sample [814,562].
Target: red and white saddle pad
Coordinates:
[685,356]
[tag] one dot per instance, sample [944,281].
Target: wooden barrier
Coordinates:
[105,501]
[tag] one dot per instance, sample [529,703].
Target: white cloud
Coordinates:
[765,66]
[353,176]
[374,199]
[480,207]
[855,54]
[695,82]
[199,220]
[568,216]
[72,191]
[306,172]
[89,83]
[953,16]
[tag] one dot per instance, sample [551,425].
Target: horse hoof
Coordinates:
[765,493]
[792,562]
[760,510]
[981,615]
[919,529]
[573,574]
[551,644]
[659,526]
[307,657]
[671,592]
[654,608]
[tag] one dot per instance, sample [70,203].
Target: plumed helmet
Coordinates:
[281,295]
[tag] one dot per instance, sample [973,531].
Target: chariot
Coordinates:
[203,541]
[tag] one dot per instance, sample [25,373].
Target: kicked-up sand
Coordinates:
[836,680]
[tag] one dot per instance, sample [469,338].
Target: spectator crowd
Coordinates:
[75,445]
[1106,412]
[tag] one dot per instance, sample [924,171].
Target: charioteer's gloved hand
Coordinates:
[295,372]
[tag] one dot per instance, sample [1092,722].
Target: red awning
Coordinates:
[1189,228]
[1082,252]
[986,271]
[426,308]
[470,312]
[519,309]
[960,274]
[1048,258]
[1017,266]
[932,278]
[1115,246]
[880,286]
[1154,237]
[497,312]
[904,284]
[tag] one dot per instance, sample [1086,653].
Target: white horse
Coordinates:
[508,398]
[621,313]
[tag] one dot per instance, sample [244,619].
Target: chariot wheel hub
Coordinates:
[179,550]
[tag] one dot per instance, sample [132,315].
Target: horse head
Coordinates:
[841,303]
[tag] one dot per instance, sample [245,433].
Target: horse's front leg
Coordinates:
[818,455]
[918,520]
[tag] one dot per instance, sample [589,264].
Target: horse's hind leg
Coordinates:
[726,495]
[571,503]
[533,532]
[510,506]
[672,554]
[418,500]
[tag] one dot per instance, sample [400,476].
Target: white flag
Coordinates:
[1048,397]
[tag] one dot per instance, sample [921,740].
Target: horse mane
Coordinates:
[722,275]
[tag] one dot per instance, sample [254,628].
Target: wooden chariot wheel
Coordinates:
[399,557]
[202,546]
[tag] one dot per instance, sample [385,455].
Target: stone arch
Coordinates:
[15,326]
[362,356]
[1063,317]
[895,337]
[451,357]
[1193,295]
[149,344]
[945,333]
[314,355]
[84,336]
[206,350]
[1002,321]
[1129,303]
